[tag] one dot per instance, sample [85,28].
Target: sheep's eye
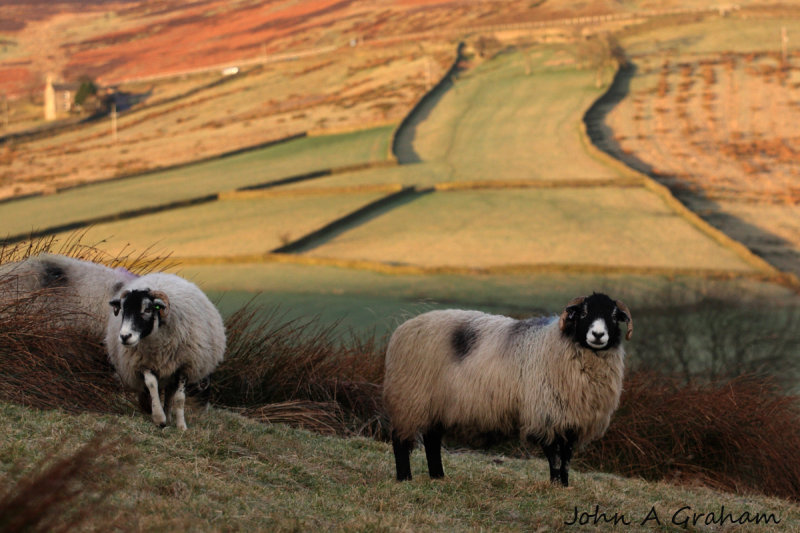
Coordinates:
[157,307]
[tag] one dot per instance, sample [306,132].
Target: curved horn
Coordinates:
[161,299]
[562,321]
[629,319]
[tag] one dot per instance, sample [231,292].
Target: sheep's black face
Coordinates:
[143,313]
[593,321]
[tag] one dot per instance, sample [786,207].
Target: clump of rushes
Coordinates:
[739,434]
[295,371]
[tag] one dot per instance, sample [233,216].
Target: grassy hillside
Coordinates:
[514,117]
[283,160]
[228,227]
[509,210]
[230,473]
[606,226]
[711,111]
[504,223]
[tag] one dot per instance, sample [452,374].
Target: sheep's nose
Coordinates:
[125,337]
[598,334]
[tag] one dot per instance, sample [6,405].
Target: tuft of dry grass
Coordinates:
[61,493]
[277,369]
[740,434]
[48,365]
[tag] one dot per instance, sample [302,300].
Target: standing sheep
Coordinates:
[554,381]
[168,335]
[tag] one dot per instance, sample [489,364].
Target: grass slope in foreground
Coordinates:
[229,473]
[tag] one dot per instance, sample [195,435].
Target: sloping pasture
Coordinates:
[712,112]
[177,122]
[252,168]
[499,123]
[581,227]
[226,228]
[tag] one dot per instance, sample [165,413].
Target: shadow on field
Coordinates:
[600,133]
[403,143]
[356,218]
[403,147]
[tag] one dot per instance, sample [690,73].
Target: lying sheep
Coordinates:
[554,381]
[166,334]
[67,292]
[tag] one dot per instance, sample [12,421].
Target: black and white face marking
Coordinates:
[594,322]
[142,315]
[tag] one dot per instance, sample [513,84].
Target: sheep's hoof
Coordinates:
[182,427]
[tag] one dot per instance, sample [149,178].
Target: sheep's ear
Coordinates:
[626,317]
[160,303]
[568,314]
[116,305]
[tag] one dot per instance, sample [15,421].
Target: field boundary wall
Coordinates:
[189,202]
[424,100]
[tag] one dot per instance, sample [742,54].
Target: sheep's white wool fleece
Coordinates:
[81,296]
[192,337]
[535,381]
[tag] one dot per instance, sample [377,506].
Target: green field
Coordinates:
[376,301]
[227,227]
[500,123]
[160,188]
[548,206]
[600,226]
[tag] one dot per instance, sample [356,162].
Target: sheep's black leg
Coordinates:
[551,451]
[200,391]
[433,451]
[169,395]
[145,403]
[402,456]
[567,445]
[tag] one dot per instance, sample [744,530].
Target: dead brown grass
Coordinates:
[63,490]
[283,370]
[740,435]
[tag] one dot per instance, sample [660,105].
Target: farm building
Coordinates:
[59,98]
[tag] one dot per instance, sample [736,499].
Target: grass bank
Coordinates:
[231,473]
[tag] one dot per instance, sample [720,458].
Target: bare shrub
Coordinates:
[718,338]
